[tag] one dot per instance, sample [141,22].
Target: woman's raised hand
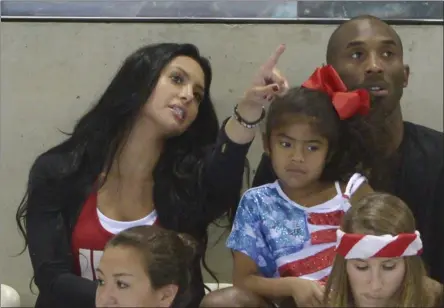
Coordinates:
[268,82]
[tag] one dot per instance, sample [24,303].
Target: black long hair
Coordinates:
[66,174]
[354,144]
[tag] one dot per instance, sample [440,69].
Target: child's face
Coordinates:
[298,154]
[374,281]
[123,281]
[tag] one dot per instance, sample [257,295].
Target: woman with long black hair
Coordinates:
[149,152]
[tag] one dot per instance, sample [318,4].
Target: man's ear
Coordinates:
[406,75]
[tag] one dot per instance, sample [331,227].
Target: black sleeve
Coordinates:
[49,247]
[224,170]
[437,265]
[264,173]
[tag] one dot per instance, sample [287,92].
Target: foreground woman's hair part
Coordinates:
[166,255]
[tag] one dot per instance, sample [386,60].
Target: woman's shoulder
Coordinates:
[53,184]
[41,168]
[52,165]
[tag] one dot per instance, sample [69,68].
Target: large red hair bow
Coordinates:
[347,104]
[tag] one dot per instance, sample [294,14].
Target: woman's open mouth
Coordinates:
[179,112]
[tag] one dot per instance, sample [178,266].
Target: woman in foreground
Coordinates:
[145,266]
[378,261]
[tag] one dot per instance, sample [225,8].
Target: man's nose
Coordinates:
[373,65]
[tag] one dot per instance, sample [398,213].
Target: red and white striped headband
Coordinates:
[362,246]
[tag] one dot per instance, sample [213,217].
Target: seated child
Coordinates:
[145,266]
[284,233]
[378,262]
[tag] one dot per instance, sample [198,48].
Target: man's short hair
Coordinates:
[331,46]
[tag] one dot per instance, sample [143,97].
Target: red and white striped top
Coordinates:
[285,238]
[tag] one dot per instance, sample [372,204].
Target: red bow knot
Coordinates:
[347,104]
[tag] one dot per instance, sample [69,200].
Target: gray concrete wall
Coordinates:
[51,73]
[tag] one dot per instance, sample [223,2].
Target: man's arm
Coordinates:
[437,266]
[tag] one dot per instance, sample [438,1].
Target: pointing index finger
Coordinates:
[274,58]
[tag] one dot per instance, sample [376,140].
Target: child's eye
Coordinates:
[285,144]
[100,282]
[313,148]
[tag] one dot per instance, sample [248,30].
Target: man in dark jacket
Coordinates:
[367,52]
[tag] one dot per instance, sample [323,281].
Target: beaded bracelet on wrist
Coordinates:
[246,123]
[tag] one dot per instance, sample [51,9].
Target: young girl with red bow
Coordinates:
[284,233]
[378,261]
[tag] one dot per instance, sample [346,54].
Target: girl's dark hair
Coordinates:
[166,255]
[63,177]
[352,143]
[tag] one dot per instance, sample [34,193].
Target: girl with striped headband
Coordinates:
[378,261]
